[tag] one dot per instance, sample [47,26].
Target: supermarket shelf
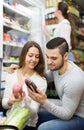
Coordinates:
[49,10]
[12,44]
[52,26]
[13,9]
[78,62]
[80,48]
[15,27]
[37,3]
[9,61]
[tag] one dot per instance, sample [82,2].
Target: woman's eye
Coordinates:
[37,57]
[30,55]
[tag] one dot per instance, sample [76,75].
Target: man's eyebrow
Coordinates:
[52,56]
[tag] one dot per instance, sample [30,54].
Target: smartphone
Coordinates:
[31,85]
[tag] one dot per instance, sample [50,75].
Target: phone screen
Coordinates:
[31,85]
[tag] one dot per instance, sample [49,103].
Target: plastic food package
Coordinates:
[17,116]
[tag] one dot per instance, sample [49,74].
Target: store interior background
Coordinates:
[23,20]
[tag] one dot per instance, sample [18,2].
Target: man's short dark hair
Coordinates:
[60,43]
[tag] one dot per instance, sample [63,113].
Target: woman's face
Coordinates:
[56,12]
[32,57]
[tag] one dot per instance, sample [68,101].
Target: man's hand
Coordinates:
[12,68]
[40,97]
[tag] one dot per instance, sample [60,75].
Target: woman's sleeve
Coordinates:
[65,32]
[7,92]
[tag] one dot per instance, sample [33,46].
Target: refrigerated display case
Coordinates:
[21,21]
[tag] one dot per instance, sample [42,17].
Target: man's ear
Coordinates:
[66,56]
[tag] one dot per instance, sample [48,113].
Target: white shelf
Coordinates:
[12,44]
[49,10]
[16,10]
[9,61]
[15,27]
[37,3]
[52,26]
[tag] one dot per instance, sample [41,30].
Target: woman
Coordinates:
[65,27]
[31,65]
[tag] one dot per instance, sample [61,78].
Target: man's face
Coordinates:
[54,59]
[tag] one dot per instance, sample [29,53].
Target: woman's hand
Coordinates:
[12,99]
[12,68]
[40,97]
[45,30]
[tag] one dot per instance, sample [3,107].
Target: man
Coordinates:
[69,83]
